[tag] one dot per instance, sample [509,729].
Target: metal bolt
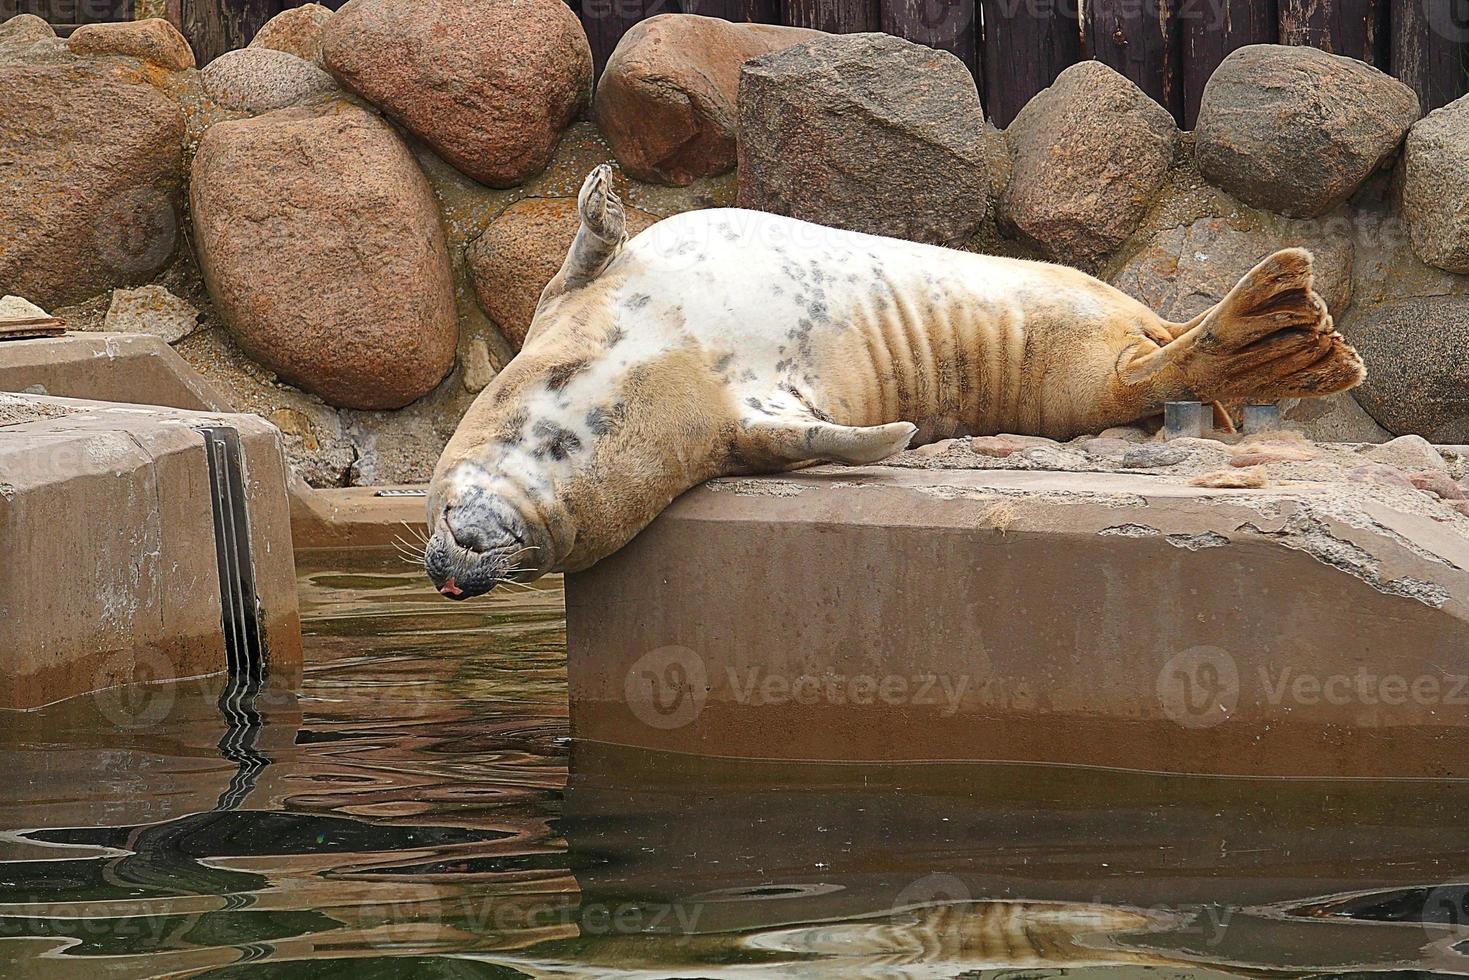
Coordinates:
[1260,418]
[1184,420]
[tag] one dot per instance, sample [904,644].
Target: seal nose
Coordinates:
[468,520]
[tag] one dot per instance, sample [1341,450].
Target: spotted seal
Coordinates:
[727,341]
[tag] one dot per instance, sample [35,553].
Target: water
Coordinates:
[416,809]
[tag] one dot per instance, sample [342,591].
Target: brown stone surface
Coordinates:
[521,251]
[261,79]
[489,84]
[1183,271]
[91,161]
[1090,153]
[153,39]
[1090,619]
[1296,130]
[323,250]
[666,100]
[21,33]
[141,595]
[1436,186]
[867,132]
[1417,355]
[1335,418]
[295,30]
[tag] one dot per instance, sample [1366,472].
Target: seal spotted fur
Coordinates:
[726,341]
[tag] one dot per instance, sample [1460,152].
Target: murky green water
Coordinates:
[417,809]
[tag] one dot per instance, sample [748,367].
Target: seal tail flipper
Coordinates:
[1271,337]
[600,237]
[784,442]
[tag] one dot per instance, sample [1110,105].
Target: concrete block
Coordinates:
[143,370]
[111,367]
[108,571]
[1094,619]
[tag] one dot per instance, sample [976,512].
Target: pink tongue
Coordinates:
[451,589]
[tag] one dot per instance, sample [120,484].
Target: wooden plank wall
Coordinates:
[1014,48]
[67,15]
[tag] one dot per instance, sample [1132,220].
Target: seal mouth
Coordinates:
[478,542]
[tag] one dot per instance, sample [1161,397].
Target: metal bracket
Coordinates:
[244,652]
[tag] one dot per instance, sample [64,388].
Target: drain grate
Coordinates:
[244,653]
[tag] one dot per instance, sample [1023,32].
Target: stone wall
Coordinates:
[347,224]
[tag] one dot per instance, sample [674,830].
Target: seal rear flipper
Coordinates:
[601,236]
[1271,337]
[814,441]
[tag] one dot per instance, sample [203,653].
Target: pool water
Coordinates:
[418,809]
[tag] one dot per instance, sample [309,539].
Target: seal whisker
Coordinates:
[408,551]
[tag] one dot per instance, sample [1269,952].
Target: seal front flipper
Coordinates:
[793,442]
[600,237]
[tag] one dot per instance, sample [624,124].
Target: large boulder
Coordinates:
[521,251]
[322,247]
[91,165]
[23,34]
[867,132]
[152,39]
[262,79]
[1183,271]
[1296,130]
[296,30]
[1417,355]
[666,100]
[1436,187]
[1090,153]
[489,84]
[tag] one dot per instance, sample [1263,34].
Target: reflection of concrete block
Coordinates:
[1105,619]
[108,569]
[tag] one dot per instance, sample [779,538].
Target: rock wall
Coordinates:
[346,225]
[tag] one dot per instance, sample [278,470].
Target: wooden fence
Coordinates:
[1015,48]
[1169,48]
[67,15]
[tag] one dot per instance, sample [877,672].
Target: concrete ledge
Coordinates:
[109,367]
[1093,619]
[354,517]
[143,370]
[109,573]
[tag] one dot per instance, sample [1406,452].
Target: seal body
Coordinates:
[730,341]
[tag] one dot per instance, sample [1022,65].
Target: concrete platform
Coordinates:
[109,572]
[143,370]
[1096,619]
[356,517]
[133,369]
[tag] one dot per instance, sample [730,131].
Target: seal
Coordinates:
[726,341]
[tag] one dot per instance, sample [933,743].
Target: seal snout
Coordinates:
[478,542]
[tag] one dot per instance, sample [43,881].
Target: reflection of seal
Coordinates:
[728,341]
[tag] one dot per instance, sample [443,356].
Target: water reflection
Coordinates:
[414,810]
